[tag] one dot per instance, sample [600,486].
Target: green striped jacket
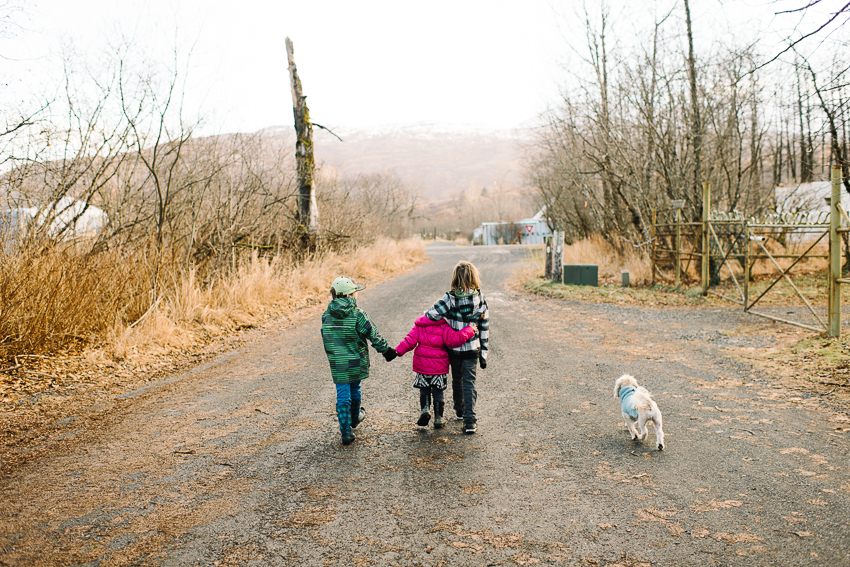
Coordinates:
[345,330]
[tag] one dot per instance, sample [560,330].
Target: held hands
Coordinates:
[474,328]
[390,354]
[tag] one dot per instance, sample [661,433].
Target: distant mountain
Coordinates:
[441,161]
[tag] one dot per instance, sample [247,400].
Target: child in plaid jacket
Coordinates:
[460,307]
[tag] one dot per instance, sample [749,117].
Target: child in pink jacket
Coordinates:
[431,362]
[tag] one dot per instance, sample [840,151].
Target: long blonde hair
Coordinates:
[465,277]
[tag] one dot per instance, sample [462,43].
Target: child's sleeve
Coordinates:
[367,330]
[439,309]
[484,328]
[454,339]
[409,342]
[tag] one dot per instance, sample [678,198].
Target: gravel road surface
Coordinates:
[239,461]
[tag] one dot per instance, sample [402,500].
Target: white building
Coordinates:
[526,231]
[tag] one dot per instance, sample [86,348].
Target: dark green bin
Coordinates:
[581,274]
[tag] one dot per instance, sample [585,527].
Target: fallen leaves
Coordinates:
[713,505]
[663,516]
[310,517]
[731,538]
[475,540]
[801,535]
[474,488]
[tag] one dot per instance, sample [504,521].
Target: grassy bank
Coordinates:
[260,288]
[810,280]
[60,302]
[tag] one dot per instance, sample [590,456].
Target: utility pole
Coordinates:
[307,214]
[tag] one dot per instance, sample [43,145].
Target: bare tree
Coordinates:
[303,148]
[696,123]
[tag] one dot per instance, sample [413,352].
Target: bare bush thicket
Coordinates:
[358,209]
[639,128]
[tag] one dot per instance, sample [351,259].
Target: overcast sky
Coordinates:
[490,63]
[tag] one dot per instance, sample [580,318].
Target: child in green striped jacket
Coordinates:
[345,330]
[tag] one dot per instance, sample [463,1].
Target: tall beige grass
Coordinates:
[611,261]
[55,300]
[596,250]
[260,287]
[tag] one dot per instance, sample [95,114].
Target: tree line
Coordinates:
[642,126]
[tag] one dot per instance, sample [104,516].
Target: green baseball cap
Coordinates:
[344,285]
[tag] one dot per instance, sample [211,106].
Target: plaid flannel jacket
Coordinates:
[345,330]
[460,310]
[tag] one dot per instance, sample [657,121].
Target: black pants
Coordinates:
[464,395]
[426,394]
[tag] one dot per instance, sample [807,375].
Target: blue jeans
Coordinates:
[347,393]
[464,395]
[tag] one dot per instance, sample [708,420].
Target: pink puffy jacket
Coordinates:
[430,357]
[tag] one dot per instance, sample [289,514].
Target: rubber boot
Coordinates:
[425,416]
[439,422]
[343,412]
[358,414]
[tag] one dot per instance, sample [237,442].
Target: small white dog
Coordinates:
[638,406]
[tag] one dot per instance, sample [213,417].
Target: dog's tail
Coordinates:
[643,401]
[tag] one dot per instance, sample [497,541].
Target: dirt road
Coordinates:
[239,462]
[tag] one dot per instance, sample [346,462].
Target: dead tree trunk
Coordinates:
[307,217]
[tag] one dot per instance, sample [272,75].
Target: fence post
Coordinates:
[547,247]
[746,233]
[652,237]
[834,301]
[678,244]
[706,249]
[558,256]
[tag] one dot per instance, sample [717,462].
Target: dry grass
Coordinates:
[808,275]
[596,250]
[611,261]
[260,288]
[57,298]
[192,320]
[64,301]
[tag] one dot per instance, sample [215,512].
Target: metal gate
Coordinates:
[723,238]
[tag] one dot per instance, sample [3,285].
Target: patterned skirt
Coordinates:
[437,381]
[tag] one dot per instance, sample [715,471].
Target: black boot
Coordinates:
[439,422]
[425,405]
[425,416]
